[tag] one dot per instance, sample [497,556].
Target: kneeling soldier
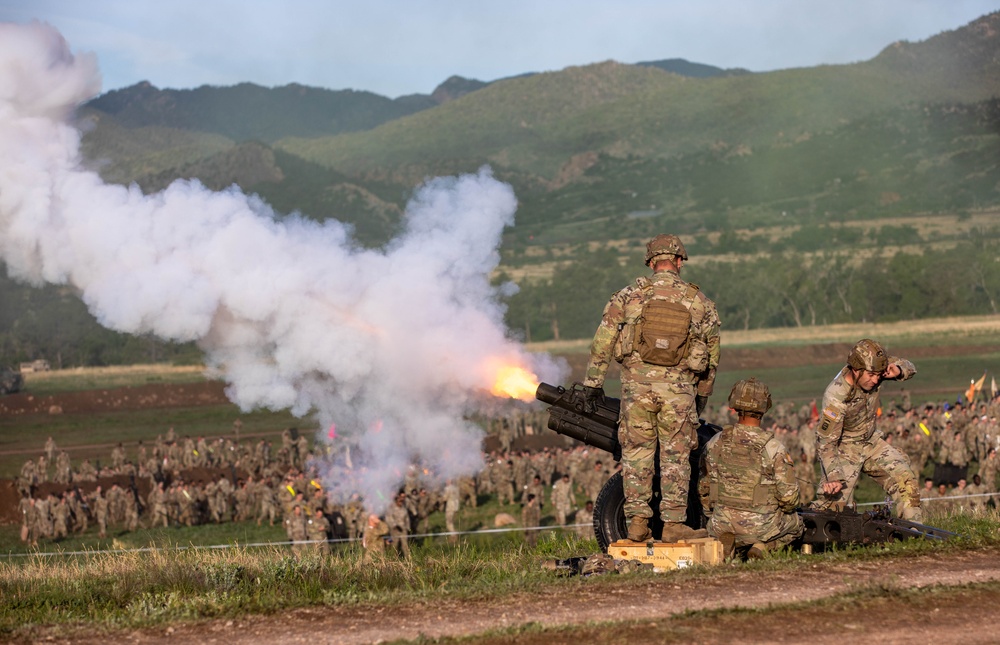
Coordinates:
[748,479]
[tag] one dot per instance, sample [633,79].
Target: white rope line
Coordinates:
[205,547]
[946,498]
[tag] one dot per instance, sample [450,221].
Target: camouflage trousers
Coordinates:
[774,530]
[657,416]
[886,465]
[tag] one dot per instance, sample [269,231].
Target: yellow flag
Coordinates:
[981,382]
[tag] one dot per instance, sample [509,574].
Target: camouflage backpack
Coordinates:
[661,331]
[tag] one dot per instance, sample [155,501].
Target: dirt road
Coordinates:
[658,610]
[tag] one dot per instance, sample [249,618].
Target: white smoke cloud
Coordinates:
[392,346]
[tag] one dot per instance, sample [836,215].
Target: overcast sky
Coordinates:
[397,47]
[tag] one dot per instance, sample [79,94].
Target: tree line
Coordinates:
[788,289]
[775,289]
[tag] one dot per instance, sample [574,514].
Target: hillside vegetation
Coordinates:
[806,196]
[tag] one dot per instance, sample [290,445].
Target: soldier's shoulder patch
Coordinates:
[831,414]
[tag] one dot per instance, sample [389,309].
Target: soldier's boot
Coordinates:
[757,551]
[638,529]
[728,545]
[912,514]
[676,531]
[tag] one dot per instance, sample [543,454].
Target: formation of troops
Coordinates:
[953,445]
[180,481]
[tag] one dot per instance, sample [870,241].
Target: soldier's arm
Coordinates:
[602,347]
[707,383]
[906,369]
[786,486]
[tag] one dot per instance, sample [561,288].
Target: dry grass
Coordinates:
[82,378]
[940,331]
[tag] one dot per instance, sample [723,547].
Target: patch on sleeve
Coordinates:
[831,414]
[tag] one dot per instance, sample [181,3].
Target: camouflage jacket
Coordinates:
[848,415]
[746,468]
[611,341]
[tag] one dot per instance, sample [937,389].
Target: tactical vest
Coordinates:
[740,482]
[660,333]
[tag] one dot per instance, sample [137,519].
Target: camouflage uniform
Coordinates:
[373,538]
[584,520]
[398,520]
[318,531]
[848,443]
[748,484]
[657,403]
[452,503]
[562,499]
[531,517]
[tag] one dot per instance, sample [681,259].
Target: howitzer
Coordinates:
[597,425]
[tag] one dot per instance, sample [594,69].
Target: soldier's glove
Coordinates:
[700,402]
[591,397]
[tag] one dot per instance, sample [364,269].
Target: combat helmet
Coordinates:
[868,355]
[750,396]
[665,245]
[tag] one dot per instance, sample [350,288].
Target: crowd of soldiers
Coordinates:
[252,482]
[248,481]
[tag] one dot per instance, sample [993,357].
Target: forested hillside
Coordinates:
[806,196]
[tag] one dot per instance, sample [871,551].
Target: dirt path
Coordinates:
[658,604]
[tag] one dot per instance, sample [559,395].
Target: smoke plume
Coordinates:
[388,348]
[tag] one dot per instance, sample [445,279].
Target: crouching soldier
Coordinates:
[748,479]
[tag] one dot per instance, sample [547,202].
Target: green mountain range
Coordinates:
[749,167]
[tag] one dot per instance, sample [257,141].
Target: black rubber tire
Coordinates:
[609,509]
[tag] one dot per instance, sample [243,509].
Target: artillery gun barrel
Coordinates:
[569,417]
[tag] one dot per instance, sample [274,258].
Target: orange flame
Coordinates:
[515,382]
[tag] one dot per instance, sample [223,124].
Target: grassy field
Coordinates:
[126,590]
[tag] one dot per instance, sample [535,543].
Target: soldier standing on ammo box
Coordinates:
[665,334]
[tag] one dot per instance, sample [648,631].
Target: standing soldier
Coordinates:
[118,456]
[50,449]
[748,479]
[584,521]
[665,334]
[848,443]
[503,480]
[373,538]
[60,519]
[28,479]
[295,528]
[531,519]
[805,475]
[27,508]
[63,471]
[452,503]
[562,499]
[318,531]
[268,504]
[100,505]
[398,520]
[157,503]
